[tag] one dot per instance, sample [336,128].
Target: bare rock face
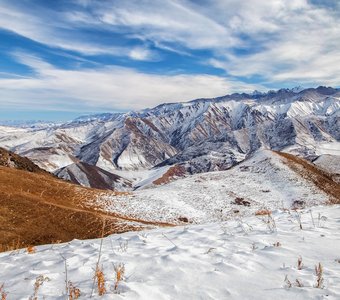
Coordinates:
[201,135]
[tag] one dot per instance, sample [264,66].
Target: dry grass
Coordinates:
[3,294]
[11,246]
[312,173]
[319,276]
[298,283]
[119,271]
[267,218]
[39,281]
[38,208]
[100,279]
[31,249]
[287,282]
[299,263]
[263,212]
[73,291]
[10,159]
[170,175]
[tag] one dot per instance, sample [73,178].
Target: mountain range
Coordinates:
[120,150]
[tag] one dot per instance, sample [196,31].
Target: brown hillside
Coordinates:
[170,175]
[38,208]
[312,173]
[12,160]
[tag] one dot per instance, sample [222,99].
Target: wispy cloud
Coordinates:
[59,30]
[299,43]
[281,41]
[106,88]
[255,44]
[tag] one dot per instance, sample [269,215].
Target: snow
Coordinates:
[263,180]
[152,175]
[142,178]
[330,164]
[235,259]
[328,148]
[187,132]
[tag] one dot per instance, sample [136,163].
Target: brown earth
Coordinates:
[310,172]
[170,175]
[12,160]
[37,208]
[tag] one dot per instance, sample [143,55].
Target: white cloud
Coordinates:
[291,41]
[58,30]
[284,40]
[278,41]
[139,53]
[106,88]
[167,21]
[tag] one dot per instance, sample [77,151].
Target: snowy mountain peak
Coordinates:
[202,135]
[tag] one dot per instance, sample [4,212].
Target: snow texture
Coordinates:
[235,259]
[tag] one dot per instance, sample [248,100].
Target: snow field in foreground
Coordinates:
[238,259]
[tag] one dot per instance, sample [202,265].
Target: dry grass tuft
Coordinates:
[31,249]
[11,246]
[39,281]
[299,263]
[74,292]
[268,219]
[100,278]
[319,276]
[3,294]
[298,283]
[119,270]
[287,282]
[277,244]
[263,212]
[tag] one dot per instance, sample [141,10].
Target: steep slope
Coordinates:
[203,135]
[93,176]
[37,208]
[309,171]
[12,160]
[265,180]
[330,164]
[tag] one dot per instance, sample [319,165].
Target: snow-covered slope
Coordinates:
[203,135]
[238,259]
[265,180]
[329,163]
[93,176]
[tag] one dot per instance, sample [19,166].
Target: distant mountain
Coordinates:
[93,176]
[27,123]
[200,135]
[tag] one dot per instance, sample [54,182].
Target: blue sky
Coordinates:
[61,59]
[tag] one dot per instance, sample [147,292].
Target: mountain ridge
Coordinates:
[202,135]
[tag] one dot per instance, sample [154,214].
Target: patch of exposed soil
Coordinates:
[312,173]
[170,175]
